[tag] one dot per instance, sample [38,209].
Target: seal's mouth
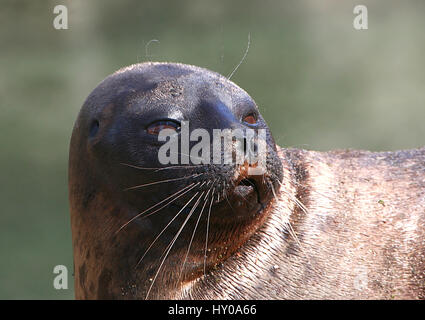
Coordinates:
[235,197]
[213,224]
[246,197]
[248,188]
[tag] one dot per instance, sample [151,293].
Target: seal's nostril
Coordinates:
[94,128]
[254,147]
[250,148]
[244,145]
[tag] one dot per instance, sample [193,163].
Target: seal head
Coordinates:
[142,228]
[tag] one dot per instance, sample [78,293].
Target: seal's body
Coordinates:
[346,224]
[360,232]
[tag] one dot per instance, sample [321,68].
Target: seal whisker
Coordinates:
[297,201]
[141,213]
[291,229]
[208,226]
[321,194]
[165,228]
[162,168]
[163,181]
[193,234]
[147,46]
[243,58]
[170,246]
[190,156]
[190,213]
[210,187]
[225,197]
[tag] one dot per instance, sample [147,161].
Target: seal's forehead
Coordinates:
[156,70]
[171,83]
[159,73]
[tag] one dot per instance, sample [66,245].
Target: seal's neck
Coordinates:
[292,200]
[263,251]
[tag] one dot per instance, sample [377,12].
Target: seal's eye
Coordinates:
[156,127]
[250,119]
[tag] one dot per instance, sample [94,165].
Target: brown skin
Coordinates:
[343,225]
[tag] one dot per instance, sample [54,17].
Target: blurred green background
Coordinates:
[319,83]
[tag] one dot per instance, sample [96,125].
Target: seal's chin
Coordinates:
[232,221]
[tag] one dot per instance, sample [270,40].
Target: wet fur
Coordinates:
[363,236]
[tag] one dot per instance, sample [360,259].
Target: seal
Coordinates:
[340,224]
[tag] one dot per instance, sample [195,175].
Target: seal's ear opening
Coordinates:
[94,128]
